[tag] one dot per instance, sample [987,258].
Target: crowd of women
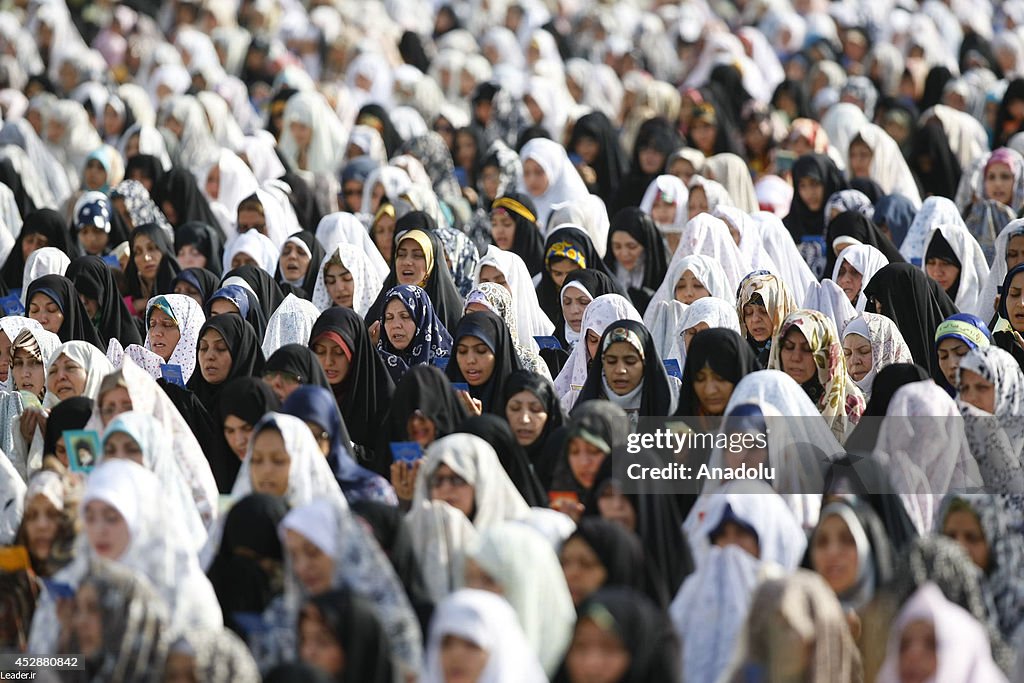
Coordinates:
[322,323]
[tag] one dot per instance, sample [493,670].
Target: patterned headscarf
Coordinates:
[887,345]
[431,340]
[499,300]
[841,403]
[141,208]
[773,295]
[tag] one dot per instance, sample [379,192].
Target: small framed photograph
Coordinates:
[83,447]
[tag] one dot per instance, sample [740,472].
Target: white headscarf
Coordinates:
[12,500]
[749,230]
[12,325]
[327,143]
[45,261]
[588,213]
[842,122]
[291,323]
[711,311]
[888,167]
[966,135]
[258,246]
[707,235]
[670,188]
[336,228]
[790,265]
[564,181]
[705,268]
[90,358]
[973,266]
[526,567]
[489,622]
[866,260]
[262,158]
[935,211]
[997,273]
[366,281]
[530,317]
[733,174]
[887,345]
[190,318]
[829,298]
[236,182]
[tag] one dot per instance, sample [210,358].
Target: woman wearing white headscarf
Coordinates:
[187,317]
[746,232]
[45,261]
[485,621]
[225,181]
[829,298]
[259,249]
[732,173]
[887,167]
[365,285]
[549,177]
[529,316]
[312,139]
[973,268]
[342,227]
[23,442]
[143,138]
[710,236]
[671,196]
[886,344]
[934,211]
[842,122]
[865,260]
[778,244]
[71,137]
[707,313]
[291,323]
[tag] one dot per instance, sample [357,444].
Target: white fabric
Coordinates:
[707,235]
[602,312]
[327,142]
[262,159]
[985,305]
[588,213]
[713,312]
[672,188]
[90,358]
[258,246]
[750,237]
[367,282]
[564,181]
[12,500]
[526,567]
[531,319]
[866,260]
[887,345]
[888,167]
[663,323]
[732,173]
[829,298]
[342,227]
[489,622]
[842,122]
[973,266]
[935,211]
[966,135]
[237,182]
[45,261]
[12,325]
[708,272]
[779,245]
[191,319]
[291,323]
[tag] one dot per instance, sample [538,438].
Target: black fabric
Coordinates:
[93,279]
[303,200]
[412,51]
[440,286]
[167,270]
[353,622]
[246,356]
[248,399]
[392,140]
[268,292]
[497,432]
[641,228]
[548,293]
[200,279]
[541,454]
[363,395]
[296,672]
[802,221]
[46,222]
[178,188]
[656,394]
[76,324]
[934,84]
[145,167]
[1006,126]
[939,248]
[593,421]
[597,284]
[916,304]
[10,177]
[610,164]
[71,413]
[643,629]
[797,91]
[426,389]
[316,258]
[868,187]
[300,361]
[876,504]
[931,159]
[725,352]
[859,227]
[656,133]
[249,547]
[619,550]
[528,242]
[205,239]
[493,332]
[247,304]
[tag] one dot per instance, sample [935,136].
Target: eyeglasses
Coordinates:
[439,480]
[283,376]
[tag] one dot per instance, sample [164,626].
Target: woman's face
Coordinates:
[583,570]
[585,460]
[859,358]
[119,445]
[28,373]
[270,465]
[596,655]
[106,530]
[180,668]
[758,322]
[534,178]
[182,287]
[243,259]
[614,506]
[713,391]
[812,192]
[33,241]
[221,305]
[1015,302]
[850,280]
[492,274]
[559,268]
[237,432]
[623,367]
[918,652]
[527,416]
[317,645]
[834,554]
[797,357]
[977,391]
[477,577]
[46,312]
[697,203]
[691,332]
[214,357]
[421,429]
[249,219]
[87,621]
[282,383]
[113,403]
[147,257]
[410,263]
[340,284]
[627,251]
[301,133]
[951,351]
[943,272]
[164,334]
[446,485]
[703,135]
[964,527]
[651,160]
[999,183]
[490,181]
[1014,252]
[66,378]
[42,522]
[734,534]
[574,303]
[475,359]
[312,566]
[95,176]
[860,160]
[689,289]
[503,230]
[294,262]
[664,213]
[384,235]
[462,661]
[332,359]
[399,324]
[190,257]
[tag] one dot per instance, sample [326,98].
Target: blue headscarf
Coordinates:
[233,293]
[897,213]
[315,404]
[431,340]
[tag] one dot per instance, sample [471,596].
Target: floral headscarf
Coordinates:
[498,299]
[774,296]
[141,208]
[887,345]
[841,403]
[431,340]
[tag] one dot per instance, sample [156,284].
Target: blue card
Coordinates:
[672,368]
[548,342]
[11,305]
[441,363]
[406,451]
[460,386]
[59,589]
[172,373]
[83,449]
[112,261]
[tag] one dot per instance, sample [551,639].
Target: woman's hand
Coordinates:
[374,330]
[32,419]
[473,406]
[567,506]
[403,478]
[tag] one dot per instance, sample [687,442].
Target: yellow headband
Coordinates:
[515,207]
